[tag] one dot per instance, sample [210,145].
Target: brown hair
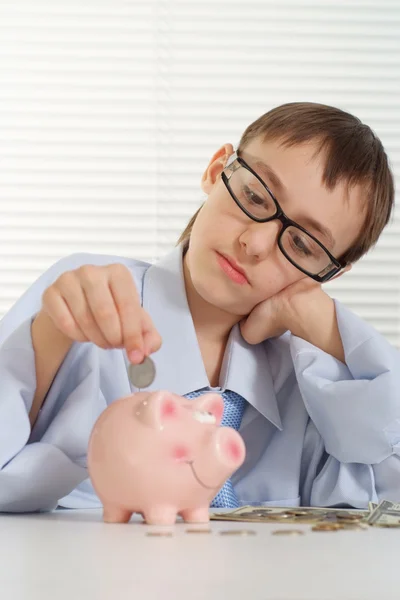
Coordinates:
[353,153]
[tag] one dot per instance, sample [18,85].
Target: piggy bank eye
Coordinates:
[204,417]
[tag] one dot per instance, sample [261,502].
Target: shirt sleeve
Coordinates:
[354,410]
[41,465]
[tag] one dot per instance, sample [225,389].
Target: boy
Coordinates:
[306,195]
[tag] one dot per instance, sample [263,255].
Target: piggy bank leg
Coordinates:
[160,515]
[196,515]
[116,514]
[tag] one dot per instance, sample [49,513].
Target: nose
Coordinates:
[260,239]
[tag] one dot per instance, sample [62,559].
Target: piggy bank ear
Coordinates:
[212,403]
[157,409]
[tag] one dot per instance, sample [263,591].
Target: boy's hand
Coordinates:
[302,308]
[100,304]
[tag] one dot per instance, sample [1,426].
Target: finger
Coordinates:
[253,334]
[261,323]
[152,339]
[73,294]
[102,305]
[60,314]
[129,309]
[248,332]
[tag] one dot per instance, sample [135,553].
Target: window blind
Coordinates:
[111,110]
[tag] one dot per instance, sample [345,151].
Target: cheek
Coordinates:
[217,218]
[279,274]
[292,273]
[180,453]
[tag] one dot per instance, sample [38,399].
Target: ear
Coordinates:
[345,270]
[215,167]
[212,403]
[157,409]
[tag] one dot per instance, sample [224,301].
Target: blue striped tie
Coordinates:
[234,406]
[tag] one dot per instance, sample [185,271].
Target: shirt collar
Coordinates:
[179,364]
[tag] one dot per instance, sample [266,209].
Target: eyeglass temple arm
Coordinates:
[231,159]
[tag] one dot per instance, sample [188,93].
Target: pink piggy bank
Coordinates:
[161,455]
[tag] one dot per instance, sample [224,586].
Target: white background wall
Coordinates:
[110,111]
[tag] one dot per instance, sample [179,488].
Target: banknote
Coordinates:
[372,506]
[276,514]
[386,514]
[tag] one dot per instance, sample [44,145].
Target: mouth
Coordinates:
[204,485]
[232,269]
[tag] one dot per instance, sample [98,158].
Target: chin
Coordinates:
[211,285]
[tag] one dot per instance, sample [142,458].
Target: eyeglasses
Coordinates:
[257,201]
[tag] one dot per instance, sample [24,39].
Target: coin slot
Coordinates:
[204,417]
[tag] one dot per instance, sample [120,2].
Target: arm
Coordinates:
[326,481]
[355,413]
[317,323]
[39,465]
[355,406]
[43,455]
[50,347]
[349,379]
[35,469]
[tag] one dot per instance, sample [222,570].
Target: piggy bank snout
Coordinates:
[219,458]
[229,448]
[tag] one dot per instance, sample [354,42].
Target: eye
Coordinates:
[254,198]
[299,244]
[204,417]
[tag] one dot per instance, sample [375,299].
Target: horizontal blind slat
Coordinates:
[110,111]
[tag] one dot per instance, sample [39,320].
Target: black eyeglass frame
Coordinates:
[280,215]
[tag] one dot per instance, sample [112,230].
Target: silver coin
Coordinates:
[237,532]
[288,532]
[142,375]
[198,530]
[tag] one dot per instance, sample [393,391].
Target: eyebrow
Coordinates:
[309,222]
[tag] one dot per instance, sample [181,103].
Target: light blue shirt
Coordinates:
[317,431]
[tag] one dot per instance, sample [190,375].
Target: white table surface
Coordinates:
[72,554]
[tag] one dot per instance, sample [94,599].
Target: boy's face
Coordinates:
[222,229]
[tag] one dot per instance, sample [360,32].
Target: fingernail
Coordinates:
[135,356]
